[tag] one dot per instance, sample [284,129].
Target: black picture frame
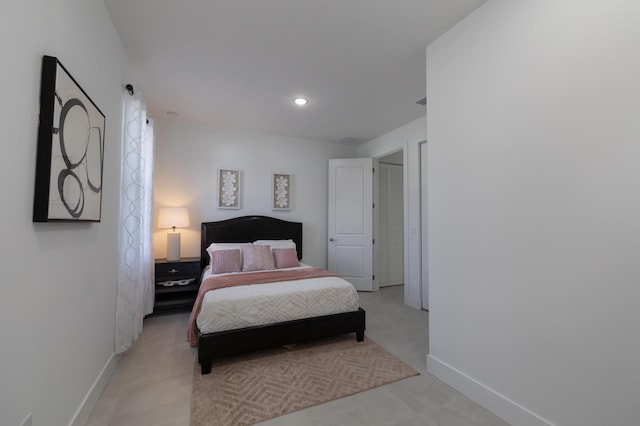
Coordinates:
[70,153]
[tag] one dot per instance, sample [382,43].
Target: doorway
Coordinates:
[389,220]
[424,247]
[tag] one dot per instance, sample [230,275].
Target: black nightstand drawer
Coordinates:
[176,270]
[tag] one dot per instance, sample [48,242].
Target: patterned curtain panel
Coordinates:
[135,279]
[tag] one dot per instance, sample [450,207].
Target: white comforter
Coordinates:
[258,304]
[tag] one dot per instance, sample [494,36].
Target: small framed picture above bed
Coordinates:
[229,191]
[281,191]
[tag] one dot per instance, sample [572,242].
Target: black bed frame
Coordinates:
[225,343]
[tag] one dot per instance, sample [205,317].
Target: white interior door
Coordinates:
[351,220]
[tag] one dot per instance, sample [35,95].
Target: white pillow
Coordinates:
[276,243]
[224,246]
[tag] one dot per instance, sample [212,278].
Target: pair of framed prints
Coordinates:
[229,190]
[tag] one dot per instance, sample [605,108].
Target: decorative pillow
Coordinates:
[285,257]
[276,243]
[224,246]
[225,261]
[256,258]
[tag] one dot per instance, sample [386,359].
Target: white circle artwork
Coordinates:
[282,192]
[229,182]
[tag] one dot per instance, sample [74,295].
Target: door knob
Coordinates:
[331,240]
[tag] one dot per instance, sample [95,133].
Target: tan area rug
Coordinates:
[247,389]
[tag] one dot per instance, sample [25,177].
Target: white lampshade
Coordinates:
[173,217]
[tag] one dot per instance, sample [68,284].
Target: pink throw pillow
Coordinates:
[285,258]
[225,261]
[256,258]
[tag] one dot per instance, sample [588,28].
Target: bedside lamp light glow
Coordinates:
[173,217]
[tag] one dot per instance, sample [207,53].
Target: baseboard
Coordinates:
[508,410]
[84,411]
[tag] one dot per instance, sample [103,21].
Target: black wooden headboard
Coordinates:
[247,229]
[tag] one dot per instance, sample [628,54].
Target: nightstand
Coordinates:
[176,284]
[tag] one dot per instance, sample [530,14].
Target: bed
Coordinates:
[214,344]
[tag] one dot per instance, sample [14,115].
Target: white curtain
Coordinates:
[135,278]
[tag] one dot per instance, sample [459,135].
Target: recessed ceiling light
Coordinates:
[172,114]
[300,101]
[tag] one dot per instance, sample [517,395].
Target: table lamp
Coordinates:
[173,217]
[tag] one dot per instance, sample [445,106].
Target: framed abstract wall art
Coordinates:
[228,189]
[70,153]
[281,191]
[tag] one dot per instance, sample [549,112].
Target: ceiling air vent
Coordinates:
[422,101]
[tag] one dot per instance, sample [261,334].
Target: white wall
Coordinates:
[534,140]
[408,138]
[189,155]
[58,292]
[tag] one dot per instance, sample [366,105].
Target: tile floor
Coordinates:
[152,383]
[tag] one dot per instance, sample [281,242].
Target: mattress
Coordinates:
[259,304]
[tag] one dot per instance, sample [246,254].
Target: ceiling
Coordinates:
[239,63]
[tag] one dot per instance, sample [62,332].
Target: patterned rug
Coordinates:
[247,389]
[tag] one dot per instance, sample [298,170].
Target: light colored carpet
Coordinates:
[247,389]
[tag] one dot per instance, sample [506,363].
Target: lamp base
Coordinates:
[173,246]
